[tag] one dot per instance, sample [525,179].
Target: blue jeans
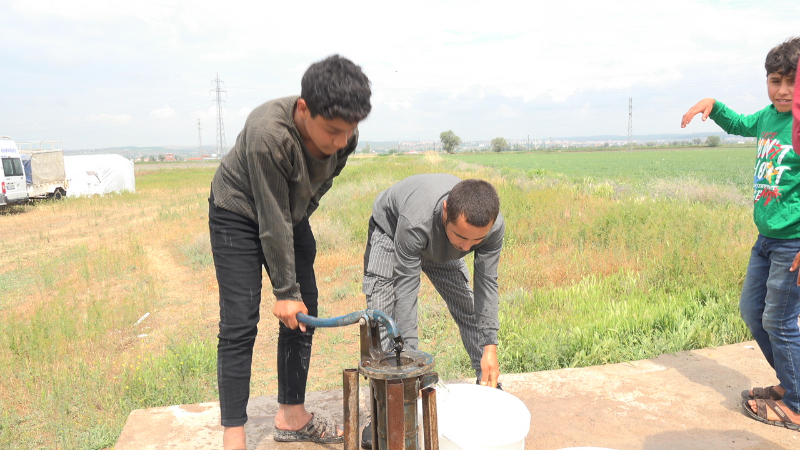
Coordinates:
[238,258]
[770,305]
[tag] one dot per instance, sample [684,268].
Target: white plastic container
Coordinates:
[473,417]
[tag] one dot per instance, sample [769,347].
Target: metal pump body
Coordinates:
[396,378]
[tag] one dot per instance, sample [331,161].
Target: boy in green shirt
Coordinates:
[770,300]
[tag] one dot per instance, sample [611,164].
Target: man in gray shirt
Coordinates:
[428,223]
[262,195]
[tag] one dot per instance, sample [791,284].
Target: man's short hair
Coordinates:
[335,87]
[477,200]
[783,58]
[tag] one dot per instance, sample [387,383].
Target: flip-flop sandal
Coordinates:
[765,393]
[761,416]
[316,430]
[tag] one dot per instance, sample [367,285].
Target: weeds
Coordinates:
[604,260]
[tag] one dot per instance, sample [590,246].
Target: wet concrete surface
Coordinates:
[682,401]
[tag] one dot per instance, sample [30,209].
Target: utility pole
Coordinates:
[221,147]
[630,124]
[199,138]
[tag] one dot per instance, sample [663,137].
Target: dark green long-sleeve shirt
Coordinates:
[776,174]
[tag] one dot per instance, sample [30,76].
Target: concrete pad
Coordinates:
[683,401]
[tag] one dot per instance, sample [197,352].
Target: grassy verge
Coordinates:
[74,354]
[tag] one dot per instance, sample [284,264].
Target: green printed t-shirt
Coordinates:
[776,175]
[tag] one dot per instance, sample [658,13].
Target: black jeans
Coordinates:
[238,258]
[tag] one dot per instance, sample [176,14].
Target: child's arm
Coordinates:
[704,106]
[796,144]
[726,118]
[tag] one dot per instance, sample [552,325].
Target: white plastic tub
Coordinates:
[473,417]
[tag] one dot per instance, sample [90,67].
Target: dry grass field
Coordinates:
[109,304]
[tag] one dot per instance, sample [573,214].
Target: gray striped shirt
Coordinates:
[410,212]
[270,177]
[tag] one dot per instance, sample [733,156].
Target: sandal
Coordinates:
[761,415]
[316,430]
[765,393]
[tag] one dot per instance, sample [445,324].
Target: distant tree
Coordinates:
[499,144]
[713,141]
[449,141]
[367,148]
[161,157]
[697,141]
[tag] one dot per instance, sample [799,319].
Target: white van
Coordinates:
[12,176]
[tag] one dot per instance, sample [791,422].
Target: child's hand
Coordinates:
[795,264]
[703,106]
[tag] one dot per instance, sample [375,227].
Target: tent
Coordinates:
[98,174]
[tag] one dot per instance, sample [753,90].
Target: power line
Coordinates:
[630,124]
[221,147]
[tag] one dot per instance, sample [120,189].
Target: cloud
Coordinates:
[163,113]
[112,119]
[434,64]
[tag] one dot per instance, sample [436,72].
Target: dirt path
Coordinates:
[185,298]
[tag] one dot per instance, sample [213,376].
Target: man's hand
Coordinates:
[795,264]
[704,106]
[489,367]
[286,311]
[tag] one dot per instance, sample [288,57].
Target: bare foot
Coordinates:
[234,438]
[771,415]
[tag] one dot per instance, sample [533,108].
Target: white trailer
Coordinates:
[44,169]
[12,174]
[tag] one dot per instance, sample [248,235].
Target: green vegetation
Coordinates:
[594,270]
[449,140]
[609,256]
[720,165]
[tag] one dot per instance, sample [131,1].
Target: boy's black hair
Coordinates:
[783,58]
[335,87]
[476,200]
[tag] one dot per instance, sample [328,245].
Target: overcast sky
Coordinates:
[109,73]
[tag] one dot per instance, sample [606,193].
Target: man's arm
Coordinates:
[408,245]
[487,261]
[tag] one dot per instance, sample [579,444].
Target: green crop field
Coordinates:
[721,165]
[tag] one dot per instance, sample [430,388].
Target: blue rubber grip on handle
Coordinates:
[349,319]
